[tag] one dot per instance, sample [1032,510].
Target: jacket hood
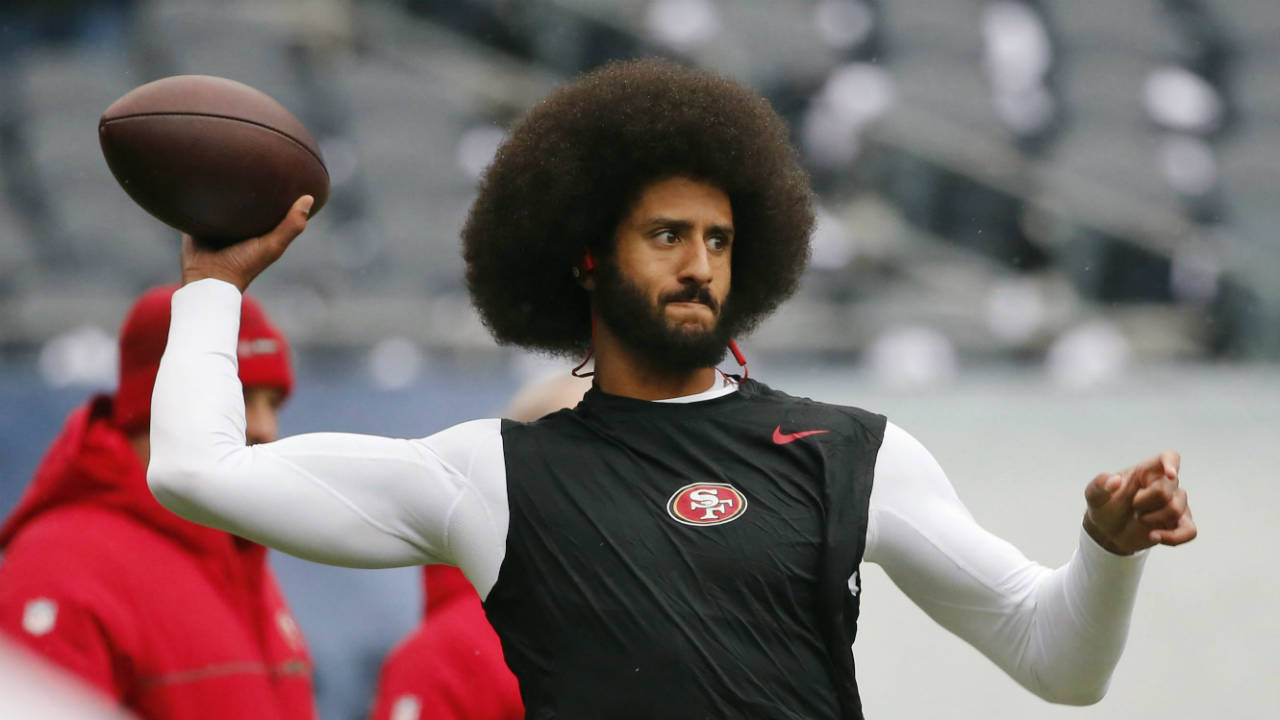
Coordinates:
[92,464]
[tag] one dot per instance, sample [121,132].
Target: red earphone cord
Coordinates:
[742,359]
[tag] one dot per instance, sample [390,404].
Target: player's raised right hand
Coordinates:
[240,263]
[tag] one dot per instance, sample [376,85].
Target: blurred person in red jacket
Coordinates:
[451,666]
[170,619]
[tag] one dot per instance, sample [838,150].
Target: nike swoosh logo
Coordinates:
[781,438]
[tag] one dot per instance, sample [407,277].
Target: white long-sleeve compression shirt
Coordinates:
[365,501]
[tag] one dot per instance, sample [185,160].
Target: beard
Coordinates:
[643,327]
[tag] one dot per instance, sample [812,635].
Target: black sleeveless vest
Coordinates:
[686,560]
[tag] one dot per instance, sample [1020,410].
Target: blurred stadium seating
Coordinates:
[1106,164]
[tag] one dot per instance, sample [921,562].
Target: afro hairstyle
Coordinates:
[571,171]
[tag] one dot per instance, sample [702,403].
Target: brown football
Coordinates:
[211,157]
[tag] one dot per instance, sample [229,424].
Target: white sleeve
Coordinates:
[342,499]
[1058,632]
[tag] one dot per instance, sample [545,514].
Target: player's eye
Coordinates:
[718,242]
[666,237]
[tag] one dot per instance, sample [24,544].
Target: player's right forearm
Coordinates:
[197,409]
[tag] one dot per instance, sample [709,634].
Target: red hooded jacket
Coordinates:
[172,619]
[451,667]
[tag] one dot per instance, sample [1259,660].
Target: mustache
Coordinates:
[691,292]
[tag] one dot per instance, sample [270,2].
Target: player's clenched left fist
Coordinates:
[1139,507]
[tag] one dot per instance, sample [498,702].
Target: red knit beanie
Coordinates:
[263,355]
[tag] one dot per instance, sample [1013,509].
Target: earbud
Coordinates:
[588,264]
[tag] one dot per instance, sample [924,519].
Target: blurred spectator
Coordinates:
[542,397]
[451,667]
[169,619]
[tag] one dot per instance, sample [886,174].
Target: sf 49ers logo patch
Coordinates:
[706,504]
